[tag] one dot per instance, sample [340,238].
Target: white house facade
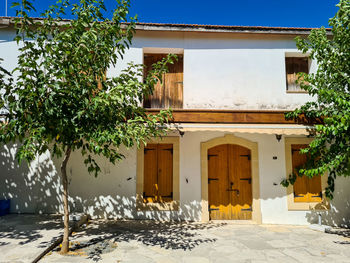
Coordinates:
[228,151]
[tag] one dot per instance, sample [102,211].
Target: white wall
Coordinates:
[112,194]
[221,70]
[228,71]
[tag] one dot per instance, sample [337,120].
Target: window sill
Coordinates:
[296,92]
[314,206]
[164,206]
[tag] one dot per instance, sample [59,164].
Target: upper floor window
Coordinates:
[294,65]
[169,93]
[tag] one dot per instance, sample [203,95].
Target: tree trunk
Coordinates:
[65,242]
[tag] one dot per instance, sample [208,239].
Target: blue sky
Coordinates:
[289,13]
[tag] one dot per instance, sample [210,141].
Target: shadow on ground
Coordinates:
[341,232]
[26,228]
[167,235]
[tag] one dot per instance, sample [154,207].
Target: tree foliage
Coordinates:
[329,152]
[62,98]
[59,98]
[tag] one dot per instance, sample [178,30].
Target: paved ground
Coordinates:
[22,237]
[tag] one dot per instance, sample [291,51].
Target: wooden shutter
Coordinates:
[154,100]
[170,92]
[174,85]
[294,65]
[165,172]
[315,189]
[150,173]
[305,189]
[158,173]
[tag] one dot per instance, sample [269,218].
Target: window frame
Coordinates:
[302,206]
[159,206]
[292,55]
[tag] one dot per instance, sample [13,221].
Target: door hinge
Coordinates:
[212,179]
[246,179]
[170,150]
[168,196]
[319,195]
[295,195]
[145,150]
[246,155]
[145,196]
[211,155]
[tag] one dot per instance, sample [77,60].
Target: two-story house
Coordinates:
[228,152]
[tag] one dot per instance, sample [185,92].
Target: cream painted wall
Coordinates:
[227,71]
[112,194]
[222,71]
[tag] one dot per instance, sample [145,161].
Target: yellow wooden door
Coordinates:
[219,203]
[229,182]
[240,176]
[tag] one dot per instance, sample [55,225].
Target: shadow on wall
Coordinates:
[37,189]
[32,189]
[121,207]
[339,211]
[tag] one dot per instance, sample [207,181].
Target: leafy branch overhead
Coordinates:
[330,87]
[62,97]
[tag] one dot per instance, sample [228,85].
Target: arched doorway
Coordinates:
[224,193]
[229,182]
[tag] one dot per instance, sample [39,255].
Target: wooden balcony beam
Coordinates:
[233,116]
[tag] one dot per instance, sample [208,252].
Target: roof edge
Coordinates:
[198,27]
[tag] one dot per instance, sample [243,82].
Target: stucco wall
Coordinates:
[112,194]
[226,71]
[221,70]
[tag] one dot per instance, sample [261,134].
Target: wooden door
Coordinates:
[219,202]
[240,177]
[229,182]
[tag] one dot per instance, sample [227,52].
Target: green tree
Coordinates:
[330,86]
[60,99]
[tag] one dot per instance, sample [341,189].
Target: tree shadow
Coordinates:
[168,235]
[26,227]
[338,214]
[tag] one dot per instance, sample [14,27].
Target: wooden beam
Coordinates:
[232,116]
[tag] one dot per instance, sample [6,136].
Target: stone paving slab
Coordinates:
[23,237]
[156,242]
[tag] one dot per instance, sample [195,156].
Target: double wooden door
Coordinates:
[229,182]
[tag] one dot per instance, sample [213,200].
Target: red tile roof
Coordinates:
[204,28]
